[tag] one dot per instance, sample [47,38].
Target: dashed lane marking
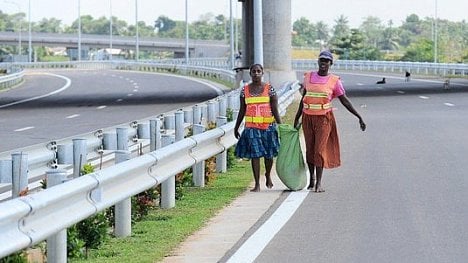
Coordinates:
[72,116]
[24,129]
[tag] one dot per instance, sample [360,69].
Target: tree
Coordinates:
[422,51]
[372,29]
[164,24]
[305,33]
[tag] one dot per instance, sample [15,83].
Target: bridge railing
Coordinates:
[25,221]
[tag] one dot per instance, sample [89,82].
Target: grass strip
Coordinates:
[162,230]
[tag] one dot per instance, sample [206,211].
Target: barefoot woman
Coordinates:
[318,121]
[259,106]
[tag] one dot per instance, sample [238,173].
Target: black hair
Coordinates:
[253,65]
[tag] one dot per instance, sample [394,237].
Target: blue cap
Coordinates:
[326,54]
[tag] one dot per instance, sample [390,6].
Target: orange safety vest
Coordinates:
[258,110]
[317,100]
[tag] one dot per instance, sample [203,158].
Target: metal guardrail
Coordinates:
[25,221]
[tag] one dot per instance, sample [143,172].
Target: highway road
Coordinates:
[399,196]
[58,104]
[401,192]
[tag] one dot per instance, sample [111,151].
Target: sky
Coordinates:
[150,10]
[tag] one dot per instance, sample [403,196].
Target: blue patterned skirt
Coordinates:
[256,143]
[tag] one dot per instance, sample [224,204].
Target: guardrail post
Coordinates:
[188,116]
[179,126]
[57,243]
[198,169]
[168,186]
[122,139]
[196,115]
[5,171]
[155,134]
[235,113]
[109,141]
[204,114]
[169,122]
[143,130]
[222,106]
[211,116]
[20,174]
[221,158]
[79,156]
[65,154]
[123,209]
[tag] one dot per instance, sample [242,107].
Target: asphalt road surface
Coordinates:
[401,192]
[58,104]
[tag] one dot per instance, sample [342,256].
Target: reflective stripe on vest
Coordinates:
[258,111]
[317,100]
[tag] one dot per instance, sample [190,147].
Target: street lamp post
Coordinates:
[110,30]
[435,33]
[186,34]
[79,31]
[29,32]
[137,51]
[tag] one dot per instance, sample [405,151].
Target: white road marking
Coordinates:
[423,97]
[359,84]
[135,90]
[449,104]
[400,92]
[66,86]
[119,100]
[130,94]
[24,129]
[72,116]
[101,107]
[260,239]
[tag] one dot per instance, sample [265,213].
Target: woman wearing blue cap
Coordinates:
[318,121]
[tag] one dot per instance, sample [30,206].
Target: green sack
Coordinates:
[290,166]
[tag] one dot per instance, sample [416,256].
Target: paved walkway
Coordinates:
[223,231]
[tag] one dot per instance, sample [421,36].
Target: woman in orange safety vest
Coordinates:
[318,121]
[259,108]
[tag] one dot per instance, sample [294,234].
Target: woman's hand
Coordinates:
[236,134]
[362,124]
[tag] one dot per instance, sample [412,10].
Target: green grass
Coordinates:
[161,231]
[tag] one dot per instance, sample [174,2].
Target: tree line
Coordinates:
[414,40]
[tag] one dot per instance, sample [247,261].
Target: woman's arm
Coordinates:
[349,106]
[299,111]
[240,117]
[274,108]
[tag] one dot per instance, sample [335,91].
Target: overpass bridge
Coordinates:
[197,48]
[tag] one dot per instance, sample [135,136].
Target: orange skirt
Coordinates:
[321,139]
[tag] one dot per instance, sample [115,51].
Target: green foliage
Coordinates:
[89,233]
[75,245]
[420,51]
[93,231]
[18,257]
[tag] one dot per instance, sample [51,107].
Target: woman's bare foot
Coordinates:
[255,189]
[319,189]
[269,183]
[311,186]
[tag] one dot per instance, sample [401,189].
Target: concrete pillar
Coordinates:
[277,42]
